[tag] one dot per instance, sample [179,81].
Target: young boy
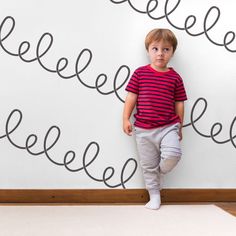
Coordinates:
[158,93]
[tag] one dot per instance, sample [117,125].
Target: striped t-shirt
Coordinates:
[157,94]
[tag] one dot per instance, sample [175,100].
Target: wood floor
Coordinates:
[229,207]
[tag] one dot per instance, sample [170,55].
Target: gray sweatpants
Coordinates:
[159,152]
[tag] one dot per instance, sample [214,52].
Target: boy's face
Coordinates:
[160,54]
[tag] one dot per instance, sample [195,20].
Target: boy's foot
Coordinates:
[155,202]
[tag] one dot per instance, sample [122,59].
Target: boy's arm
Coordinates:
[179,110]
[130,103]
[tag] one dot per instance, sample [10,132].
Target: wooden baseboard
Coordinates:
[86,196]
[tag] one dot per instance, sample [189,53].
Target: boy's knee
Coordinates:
[167,164]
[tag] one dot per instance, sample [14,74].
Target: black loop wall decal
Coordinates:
[43,47]
[190,21]
[149,7]
[49,142]
[216,128]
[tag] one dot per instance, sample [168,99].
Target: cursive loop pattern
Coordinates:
[54,135]
[190,21]
[216,128]
[82,63]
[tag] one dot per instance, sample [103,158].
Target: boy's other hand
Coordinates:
[180,134]
[127,127]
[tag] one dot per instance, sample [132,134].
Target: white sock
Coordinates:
[155,201]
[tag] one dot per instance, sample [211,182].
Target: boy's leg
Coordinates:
[170,149]
[149,157]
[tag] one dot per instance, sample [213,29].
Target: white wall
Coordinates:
[86,118]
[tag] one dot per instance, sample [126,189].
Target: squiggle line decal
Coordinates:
[51,138]
[62,63]
[190,21]
[216,128]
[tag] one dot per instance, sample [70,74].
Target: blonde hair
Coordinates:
[161,34]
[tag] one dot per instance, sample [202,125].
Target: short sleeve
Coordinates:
[133,84]
[180,93]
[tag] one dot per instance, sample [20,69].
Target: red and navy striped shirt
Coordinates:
[157,93]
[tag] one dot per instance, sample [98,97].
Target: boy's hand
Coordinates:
[127,127]
[180,134]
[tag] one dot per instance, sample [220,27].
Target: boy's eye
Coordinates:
[155,49]
[166,49]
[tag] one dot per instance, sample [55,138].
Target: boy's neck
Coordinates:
[165,69]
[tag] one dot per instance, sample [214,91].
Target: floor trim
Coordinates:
[113,195]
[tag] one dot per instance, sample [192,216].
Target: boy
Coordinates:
[158,93]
